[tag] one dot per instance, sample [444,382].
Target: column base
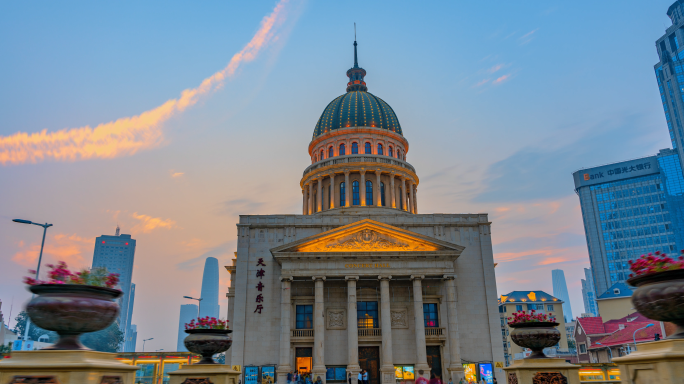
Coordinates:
[387,375]
[424,368]
[455,373]
[542,370]
[65,367]
[654,362]
[318,371]
[212,373]
[281,373]
[354,370]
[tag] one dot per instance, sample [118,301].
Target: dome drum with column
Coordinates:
[358,155]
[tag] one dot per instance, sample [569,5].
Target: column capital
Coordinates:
[403,178]
[385,277]
[331,175]
[316,278]
[286,278]
[318,177]
[417,277]
[449,277]
[362,171]
[346,172]
[347,278]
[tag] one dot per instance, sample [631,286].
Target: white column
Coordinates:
[319,331]
[421,352]
[333,200]
[410,190]
[455,368]
[392,192]
[415,199]
[319,198]
[285,304]
[362,190]
[352,330]
[310,201]
[304,201]
[403,193]
[347,189]
[387,368]
[378,190]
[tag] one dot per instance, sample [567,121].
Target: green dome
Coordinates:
[357,109]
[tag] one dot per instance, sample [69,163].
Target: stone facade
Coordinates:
[328,261]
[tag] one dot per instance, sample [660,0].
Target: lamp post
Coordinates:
[199,303]
[609,351]
[151,338]
[634,334]
[40,258]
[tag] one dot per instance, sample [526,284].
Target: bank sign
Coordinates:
[617,171]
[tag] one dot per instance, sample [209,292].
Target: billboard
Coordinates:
[616,171]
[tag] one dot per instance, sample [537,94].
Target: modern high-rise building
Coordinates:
[670,76]
[210,288]
[131,338]
[589,294]
[560,290]
[117,253]
[187,313]
[629,209]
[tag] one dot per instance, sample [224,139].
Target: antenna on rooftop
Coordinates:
[117,230]
[354,31]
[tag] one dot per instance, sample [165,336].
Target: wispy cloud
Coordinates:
[148,223]
[481,83]
[501,79]
[177,174]
[526,38]
[495,68]
[59,247]
[129,135]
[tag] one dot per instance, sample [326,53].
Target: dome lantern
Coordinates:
[356,75]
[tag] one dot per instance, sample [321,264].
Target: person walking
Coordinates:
[289,377]
[365,377]
[360,378]
[318,380]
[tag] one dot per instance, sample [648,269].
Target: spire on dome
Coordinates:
[356,74]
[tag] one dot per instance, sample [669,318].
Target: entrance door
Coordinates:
[303,360]
[434,360]
[369,359]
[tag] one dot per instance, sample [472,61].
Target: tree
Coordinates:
[106,340]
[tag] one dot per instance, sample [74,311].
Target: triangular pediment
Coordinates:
[367,236]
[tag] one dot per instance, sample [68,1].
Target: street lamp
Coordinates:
[40,258]
[151,338]
[634,334]
[199,303]
[609,351]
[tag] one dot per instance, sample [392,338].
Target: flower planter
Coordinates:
[660,296]
[207,342]
[71,310]
[535,336]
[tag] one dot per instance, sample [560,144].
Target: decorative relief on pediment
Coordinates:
[336,318]
[399,318]
[367,240]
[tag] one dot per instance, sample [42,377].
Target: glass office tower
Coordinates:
[588,293]
[630,208]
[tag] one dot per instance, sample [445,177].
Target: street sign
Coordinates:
[499,364]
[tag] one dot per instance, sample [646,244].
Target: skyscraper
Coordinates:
[210,288]
[630,208]
[560,290]
[187,313]
[131,332]
[670,76]
[117,253]
[588,293]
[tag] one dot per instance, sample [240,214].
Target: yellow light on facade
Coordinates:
[532,296]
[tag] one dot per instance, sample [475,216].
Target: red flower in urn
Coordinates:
[535,331]
[207,336]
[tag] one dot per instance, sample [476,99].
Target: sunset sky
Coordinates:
[171,118]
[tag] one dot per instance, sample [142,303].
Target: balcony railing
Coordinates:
[350,159]
[369,332]
[302,333]
[434,332]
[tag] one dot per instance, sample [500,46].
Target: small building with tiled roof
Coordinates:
[616,302]
[539,301]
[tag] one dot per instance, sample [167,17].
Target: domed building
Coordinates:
[358,155]
[360,280]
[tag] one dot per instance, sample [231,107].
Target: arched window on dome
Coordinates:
[315,159]
[398,153]
[343,195]
[322,154]
[382,194]
[355,148]
[368,149]
[390,153]
[369,192]
[356,199]
[331,152]
[342,152]
[380,152]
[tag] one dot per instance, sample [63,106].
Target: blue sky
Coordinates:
[500,101]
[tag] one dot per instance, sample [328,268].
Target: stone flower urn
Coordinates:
[535,336]
[71,310]
[207,342]
[660,296]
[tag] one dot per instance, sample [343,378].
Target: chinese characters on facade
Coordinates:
[260,274]
[633,168]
